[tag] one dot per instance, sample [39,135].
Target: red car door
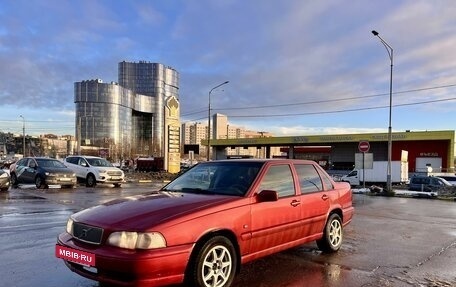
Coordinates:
[315,201]
[276,223]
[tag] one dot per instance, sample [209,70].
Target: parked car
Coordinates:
[197,230]
[430,184]
[4,180]
[42,172]
[93,170]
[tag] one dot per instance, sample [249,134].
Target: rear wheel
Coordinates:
[90,180]
[214,264]
[332,235]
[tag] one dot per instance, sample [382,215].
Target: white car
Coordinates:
[94,170]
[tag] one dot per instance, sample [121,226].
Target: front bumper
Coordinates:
[60,181]
[124,267]
[102,178]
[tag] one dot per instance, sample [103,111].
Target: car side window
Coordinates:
[82,162]
[280,179]
[327,182]
[436,181]
[309,179]
[21,162]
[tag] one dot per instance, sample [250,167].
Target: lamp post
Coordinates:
[209,120]
[389,49]
[23,135]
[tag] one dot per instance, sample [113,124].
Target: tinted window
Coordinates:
[21,162]
[73,160]
[99,162]
[280,179]
[420,180]
[309,180]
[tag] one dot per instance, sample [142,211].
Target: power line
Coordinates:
[339,111]
[328,101]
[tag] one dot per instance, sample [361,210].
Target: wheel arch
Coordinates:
[221,232]
[337,211]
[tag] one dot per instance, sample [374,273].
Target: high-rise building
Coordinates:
[138,116]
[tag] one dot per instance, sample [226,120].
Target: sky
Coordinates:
[294,67]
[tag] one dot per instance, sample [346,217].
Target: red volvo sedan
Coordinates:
[202,226]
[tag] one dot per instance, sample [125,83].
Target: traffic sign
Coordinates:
[363,146]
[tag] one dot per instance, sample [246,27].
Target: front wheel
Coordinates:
[14,182]
[90,180]
[39,182]
[332,235]
[214,265]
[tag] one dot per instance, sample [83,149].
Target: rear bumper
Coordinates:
[347,214]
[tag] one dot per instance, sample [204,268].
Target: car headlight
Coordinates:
[3,175]
[137,240]
[47,173]
[102,171]
[69,226]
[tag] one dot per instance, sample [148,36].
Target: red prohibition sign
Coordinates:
[363,146]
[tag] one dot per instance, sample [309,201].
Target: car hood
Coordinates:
[137,213]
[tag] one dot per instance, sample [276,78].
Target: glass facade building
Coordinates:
[127,118]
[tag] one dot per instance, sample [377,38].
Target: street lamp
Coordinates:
[209,119]
[23,134]
[389,49]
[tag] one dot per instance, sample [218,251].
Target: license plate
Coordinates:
[74,255]
[65,179]
[115,177]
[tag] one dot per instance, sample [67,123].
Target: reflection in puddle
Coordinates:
[332,273]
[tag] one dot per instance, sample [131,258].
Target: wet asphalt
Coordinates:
[391,241]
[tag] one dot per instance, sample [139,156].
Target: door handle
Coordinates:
[295,203]
[324,197]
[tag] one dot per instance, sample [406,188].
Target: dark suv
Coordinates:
[42,172]
[430,184]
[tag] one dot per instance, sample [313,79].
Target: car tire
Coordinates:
[39,182]
[332,235]
[213,264]
[14,182]
[90,180]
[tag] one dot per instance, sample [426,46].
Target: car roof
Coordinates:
[267,160]
[85,156]
[41,157]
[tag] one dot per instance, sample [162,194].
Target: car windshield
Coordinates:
[226,178]
[99,162]
[50,163]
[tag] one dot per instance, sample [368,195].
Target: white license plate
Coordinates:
[74,255]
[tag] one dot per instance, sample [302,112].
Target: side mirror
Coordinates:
[267,196]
